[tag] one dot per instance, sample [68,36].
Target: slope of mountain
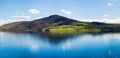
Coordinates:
[54,22]
[37,25]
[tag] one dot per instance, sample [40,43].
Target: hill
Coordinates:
[56,23]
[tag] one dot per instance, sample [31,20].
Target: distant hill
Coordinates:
[37,25]
[54,21]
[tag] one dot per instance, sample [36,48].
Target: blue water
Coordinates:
[27,45]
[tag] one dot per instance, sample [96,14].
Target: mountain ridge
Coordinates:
[57,20]
[53,20]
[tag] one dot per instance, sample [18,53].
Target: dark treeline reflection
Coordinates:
[59,45]
[56,38]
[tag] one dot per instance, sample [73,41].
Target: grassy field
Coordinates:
[72,29]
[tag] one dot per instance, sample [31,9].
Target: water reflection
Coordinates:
[47,45]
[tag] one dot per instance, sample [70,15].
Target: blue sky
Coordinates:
[17,10]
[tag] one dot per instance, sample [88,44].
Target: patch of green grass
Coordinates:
[68,29]
[62,30]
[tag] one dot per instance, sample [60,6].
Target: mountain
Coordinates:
[38,24]
[56,22]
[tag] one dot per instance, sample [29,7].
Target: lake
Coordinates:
[29,45]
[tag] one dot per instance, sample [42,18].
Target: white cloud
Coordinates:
[15,19]
[39,17]
[114,0]
[6,21]
[117,20]
[106,16]
[110,4]
[33,11]
[66,11]
[21,17]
